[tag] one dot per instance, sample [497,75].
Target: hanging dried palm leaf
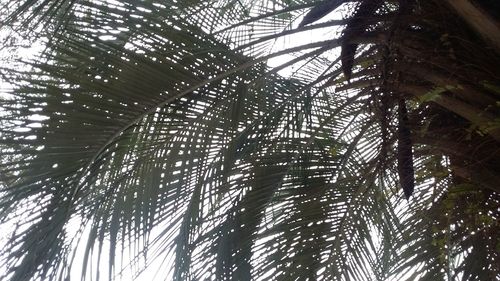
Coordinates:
[357,25]
[321,10]
[405,154]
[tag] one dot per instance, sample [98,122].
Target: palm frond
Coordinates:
[157,133]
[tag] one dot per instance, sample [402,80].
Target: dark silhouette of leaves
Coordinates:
[321,10]
[405,153]
[356,26]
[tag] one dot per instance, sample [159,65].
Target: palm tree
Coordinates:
[155,134]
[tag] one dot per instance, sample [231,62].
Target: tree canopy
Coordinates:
[250,139]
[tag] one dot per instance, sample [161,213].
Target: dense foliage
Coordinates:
[250,139]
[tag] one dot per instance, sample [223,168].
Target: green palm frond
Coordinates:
[156,133]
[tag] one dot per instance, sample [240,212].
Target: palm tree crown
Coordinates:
[157,133]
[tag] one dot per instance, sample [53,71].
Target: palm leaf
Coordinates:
[155,133]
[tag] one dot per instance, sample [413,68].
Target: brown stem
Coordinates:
[480,21]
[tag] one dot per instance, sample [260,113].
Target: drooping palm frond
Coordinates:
[156,132]
[320,10]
